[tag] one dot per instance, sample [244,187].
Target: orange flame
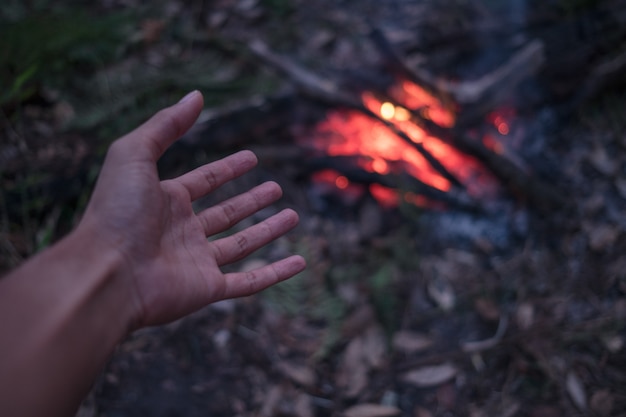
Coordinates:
[351,133]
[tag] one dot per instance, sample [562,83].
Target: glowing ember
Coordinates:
[379,150]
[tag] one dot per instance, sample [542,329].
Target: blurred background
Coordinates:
[503,296]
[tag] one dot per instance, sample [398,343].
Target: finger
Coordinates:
[207,178]
[151,139]
[230,212]
[240,284]
[238,246]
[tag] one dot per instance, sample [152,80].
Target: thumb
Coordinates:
[152,138]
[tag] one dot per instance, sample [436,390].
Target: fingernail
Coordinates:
[189,96]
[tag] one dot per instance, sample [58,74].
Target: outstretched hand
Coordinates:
[140,256]
[170,264]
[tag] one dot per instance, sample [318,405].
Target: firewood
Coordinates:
[326,90]
[521,183]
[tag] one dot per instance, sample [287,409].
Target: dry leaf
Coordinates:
[601,402]
[374,347]
[371,410]
[352,374]
[431,376]
[487,309]
[614,343]
[447,396]
[422,412]
[297,373]
[411,342]
[545,411]
[253,263]
[303,406]
[576,390]
[271,401]
[601,161]
[151,30]
[358,321]
[442,294]
[602,236]
[525,315]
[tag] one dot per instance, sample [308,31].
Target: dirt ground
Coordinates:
[516,311]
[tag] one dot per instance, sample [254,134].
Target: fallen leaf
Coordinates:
[447,396]
[614,343]
[422,412]
[411,342]
[525,315]
[602,236]
[487,309]
[151,30]
[431,376]
[251,264]
[271,400]
[601,402]
[576,390]
[601,161]
[371,410]
[353,371]
[358,321]
[374,347]
[299,374]
[545,411]
[303,406]
[442,294]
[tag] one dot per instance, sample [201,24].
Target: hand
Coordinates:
[169,264]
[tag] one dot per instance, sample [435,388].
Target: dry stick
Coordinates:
[610,72]
[327,91]
[476,97]
[396,65]
[343,165]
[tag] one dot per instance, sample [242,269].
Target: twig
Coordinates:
[344,166]
[478,346]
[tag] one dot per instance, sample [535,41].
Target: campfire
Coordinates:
[375,148]
[405,135]
[419,140]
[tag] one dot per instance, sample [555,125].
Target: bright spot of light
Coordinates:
[387,110]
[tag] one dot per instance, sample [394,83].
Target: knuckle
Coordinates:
[252,281]
[230,213]
[242,244]
[210,178]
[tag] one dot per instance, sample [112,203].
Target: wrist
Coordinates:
[109,274]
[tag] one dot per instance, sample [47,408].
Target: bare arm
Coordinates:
[139,257]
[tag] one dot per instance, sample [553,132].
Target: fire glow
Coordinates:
[377,149]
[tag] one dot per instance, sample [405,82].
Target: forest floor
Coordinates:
[407,312]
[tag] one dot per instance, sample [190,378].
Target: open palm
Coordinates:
[169,263]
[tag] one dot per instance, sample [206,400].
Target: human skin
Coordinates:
[139,257]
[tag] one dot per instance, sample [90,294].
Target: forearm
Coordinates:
[62,314]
